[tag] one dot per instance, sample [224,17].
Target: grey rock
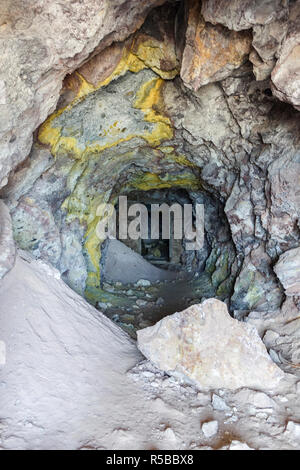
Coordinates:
[7,245]
[288,271]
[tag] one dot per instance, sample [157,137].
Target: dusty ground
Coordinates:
[73,379]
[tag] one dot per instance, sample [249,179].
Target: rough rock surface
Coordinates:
[123,121]
[268,20]
[41,42]
[242,14]
[204,344]
[211,53]
[280,333]
[286,74]
[7,244]
[288,271]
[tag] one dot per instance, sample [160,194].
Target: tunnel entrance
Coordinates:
[165,253]
[147,279]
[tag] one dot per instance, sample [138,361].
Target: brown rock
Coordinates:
[102,65]
[211,52]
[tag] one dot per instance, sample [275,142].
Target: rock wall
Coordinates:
[41,42]
[179,96]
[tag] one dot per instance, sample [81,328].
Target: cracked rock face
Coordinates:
[211,52]
[168,100]
[204,344]
[41,42]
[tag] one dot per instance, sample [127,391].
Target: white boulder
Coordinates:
[206,346]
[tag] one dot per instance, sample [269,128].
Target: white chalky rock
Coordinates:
[219,404]
[143,283]
[210,429]
[203,344]
[237,445]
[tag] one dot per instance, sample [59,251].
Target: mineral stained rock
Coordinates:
[40,43]
[211,52]
[288,271]
[7,245]
[203,344]
[268,20]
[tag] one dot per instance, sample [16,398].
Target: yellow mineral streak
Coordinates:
[150,101]
[143,182]
[152,54]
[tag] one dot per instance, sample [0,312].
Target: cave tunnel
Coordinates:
[142,342]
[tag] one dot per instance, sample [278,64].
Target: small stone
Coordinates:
[237,445]
[282,399]
[294,429]
[262,415]
[274,356]
[102,306]
[203,398]
[210,429]
[143,283]
[219,404]
[270,337]
[169,433]
[141,303]
[160,301]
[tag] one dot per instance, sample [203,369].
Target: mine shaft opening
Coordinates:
[160,245]
[144,280]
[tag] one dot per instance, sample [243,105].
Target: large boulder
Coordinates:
[204,345]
